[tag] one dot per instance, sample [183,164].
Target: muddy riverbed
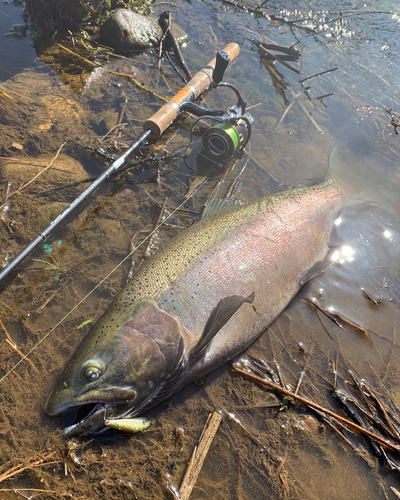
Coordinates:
[59,110]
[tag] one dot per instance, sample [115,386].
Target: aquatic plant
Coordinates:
[48,18]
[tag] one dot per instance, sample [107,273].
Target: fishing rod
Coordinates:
[226,137]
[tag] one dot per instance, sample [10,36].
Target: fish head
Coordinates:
[132,357]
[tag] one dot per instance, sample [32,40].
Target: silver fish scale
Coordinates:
[228,254]
[164,268]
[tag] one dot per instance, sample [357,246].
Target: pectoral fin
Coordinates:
[318,268]
[219,316]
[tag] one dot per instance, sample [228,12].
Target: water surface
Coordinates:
[291,454]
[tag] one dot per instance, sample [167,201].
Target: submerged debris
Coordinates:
[377,421]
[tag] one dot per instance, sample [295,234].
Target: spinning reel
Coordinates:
[231,130]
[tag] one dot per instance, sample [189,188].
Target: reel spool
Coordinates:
[223,140]
[232,128]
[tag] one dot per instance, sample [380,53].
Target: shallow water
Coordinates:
[289,453]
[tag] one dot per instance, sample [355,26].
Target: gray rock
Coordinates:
[127,31]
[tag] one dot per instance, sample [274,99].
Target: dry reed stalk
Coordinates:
[315,406]
[30,463]
[12,344]
[199,455]
[23,186]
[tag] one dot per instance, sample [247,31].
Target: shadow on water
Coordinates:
[16,51]
[275,452]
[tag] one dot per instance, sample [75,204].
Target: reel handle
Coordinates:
[163,118]
[222,62]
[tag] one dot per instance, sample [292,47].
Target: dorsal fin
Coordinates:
[220,205]
[219,316]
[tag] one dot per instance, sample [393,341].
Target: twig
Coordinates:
[318,74]
[119,125]
[315,406]
[12,344]
[28,489]
[278,369]
[396,492]
[286,111]
[358,327]
[29,464]
[303,372]
[5,206]
[6,306]
[21,354]
[279,59]
[173,67]
[235,182]
[321,97]
[94,64]
[335,371]
[295,53]
[328,314]
[164,20]
[345,400]
[29,163]
[359,452]
[199,455]
[23,186]
[265,169]
[40,309]
[254,106]
[5,96]
[245,430]
[394,431]
[262,367]
[394,413]
[335,317]
[308,114]
[151,92]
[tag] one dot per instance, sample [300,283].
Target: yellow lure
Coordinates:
[131,425]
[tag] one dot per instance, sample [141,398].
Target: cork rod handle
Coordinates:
[163,118]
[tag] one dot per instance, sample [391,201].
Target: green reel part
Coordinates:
[221,141]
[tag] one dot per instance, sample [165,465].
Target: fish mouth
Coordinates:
[90,420]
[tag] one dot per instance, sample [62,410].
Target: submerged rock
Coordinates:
[127,31]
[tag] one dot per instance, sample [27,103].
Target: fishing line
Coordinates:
[102,281]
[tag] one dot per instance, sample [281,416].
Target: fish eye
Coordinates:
[92,370]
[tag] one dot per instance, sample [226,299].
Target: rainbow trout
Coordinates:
[200,301]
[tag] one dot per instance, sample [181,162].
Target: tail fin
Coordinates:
[352,176]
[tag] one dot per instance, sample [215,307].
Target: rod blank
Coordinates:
[153,127]
[112,170]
